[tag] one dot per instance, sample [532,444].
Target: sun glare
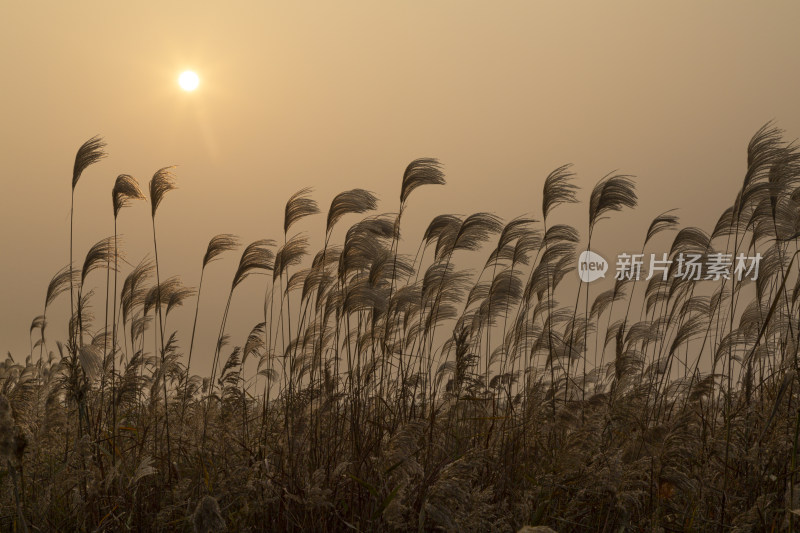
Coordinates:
[188,81]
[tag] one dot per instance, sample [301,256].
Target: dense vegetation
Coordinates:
[403,393]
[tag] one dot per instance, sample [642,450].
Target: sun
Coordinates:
[188,81]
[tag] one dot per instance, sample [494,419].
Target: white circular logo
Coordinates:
[591,266]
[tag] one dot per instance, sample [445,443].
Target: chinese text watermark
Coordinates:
[689,266]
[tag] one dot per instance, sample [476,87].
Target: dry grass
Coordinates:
[399,393]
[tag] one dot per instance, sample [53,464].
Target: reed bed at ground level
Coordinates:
[399,393]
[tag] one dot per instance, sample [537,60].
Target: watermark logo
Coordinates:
[591,266]
[689,266]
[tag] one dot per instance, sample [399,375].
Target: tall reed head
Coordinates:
[352,201]
[299,205]
[161,183]
[612,193]
[422,171]
[558,189]
[90,152]
[126,188]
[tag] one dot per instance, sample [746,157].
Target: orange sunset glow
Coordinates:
[528,266]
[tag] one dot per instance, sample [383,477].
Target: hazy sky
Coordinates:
[337,95]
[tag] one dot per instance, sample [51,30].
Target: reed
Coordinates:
[412,393]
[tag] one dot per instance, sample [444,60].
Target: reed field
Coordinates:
[475,385]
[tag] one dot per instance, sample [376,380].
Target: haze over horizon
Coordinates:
[346,95]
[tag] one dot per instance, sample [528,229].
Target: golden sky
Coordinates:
[337,95]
